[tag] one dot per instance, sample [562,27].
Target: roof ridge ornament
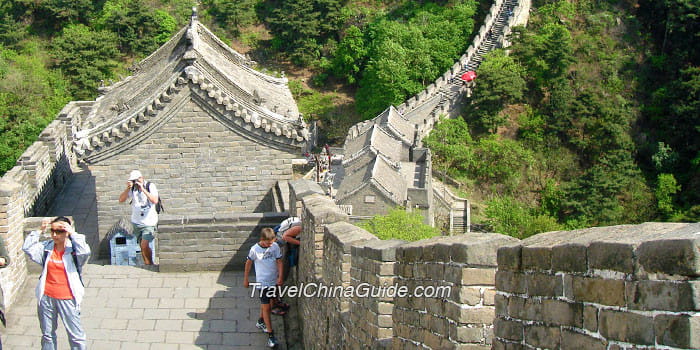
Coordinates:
[193,18]
[192,37]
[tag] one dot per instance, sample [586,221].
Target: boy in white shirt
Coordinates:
[267,257]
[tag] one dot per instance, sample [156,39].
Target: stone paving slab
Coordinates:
[133,308]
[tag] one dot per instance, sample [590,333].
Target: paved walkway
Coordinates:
[132,308]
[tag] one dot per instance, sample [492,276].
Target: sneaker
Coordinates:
[272,341]
[260,325]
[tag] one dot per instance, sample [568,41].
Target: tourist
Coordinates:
[267,257]
[60,289]
[144,216]
[4,262]
[291,237]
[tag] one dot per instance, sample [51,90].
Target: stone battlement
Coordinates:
[601,288]
[617,287]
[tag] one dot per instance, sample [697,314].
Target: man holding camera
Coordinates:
[144,217]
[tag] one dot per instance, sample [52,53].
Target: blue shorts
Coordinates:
[142,231]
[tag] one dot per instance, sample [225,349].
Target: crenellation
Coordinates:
[594,289]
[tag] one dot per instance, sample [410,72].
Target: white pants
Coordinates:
[48,310]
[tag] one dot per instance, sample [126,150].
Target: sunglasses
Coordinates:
[58,231]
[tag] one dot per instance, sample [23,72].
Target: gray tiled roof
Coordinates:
[377,171]
[374,150]
[193,57]
[373,139]
[395,123]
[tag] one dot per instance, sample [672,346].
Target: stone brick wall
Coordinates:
[13,276]
[335,253]
[464,265]
[210,242]
[619,287]
[372,268]
[200,167]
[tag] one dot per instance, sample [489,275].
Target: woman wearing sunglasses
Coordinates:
[60,289]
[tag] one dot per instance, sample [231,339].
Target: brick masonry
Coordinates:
[619,287]
[200,167]
[336,253]
[210,242]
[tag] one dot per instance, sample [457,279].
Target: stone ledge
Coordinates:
[345,235]
[667,248]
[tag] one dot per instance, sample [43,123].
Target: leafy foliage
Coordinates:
[510,217]
[302,27]
[406,56]
[30,95]
[85,57]
[500,83]
[400,224]
[666,188]
[451,144]
[139,28]
[233,15]
[350,56]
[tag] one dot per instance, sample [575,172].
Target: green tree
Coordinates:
[350,55]
[405,56]
[666,188]
[451,145]
[140,29]
[400,224]
[52,15]
[69,11]
[385,81]
[85,57]
[233,15]
[30,96]
[598,197]
[502,161]
[11,31]
[547,52]
[510,217]
[500,82]
[302,27]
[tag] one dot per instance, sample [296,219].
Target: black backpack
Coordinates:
[159,206]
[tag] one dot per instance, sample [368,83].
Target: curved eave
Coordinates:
[98,144]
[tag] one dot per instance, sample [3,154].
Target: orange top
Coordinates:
[57,285]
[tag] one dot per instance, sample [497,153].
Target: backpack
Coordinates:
[288,223]
[75,262]
[159,206]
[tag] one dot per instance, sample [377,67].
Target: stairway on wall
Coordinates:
[454,90]
[458,206]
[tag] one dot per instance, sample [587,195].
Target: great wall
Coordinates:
[194,127]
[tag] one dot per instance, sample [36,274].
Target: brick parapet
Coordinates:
[349,256]
[461,271]
[13,276]
[210,242]
[372,274]
[618,287]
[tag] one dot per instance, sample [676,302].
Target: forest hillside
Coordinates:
[591,118]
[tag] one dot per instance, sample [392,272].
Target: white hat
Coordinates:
[135,174]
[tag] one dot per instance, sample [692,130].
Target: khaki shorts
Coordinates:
[144,232]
